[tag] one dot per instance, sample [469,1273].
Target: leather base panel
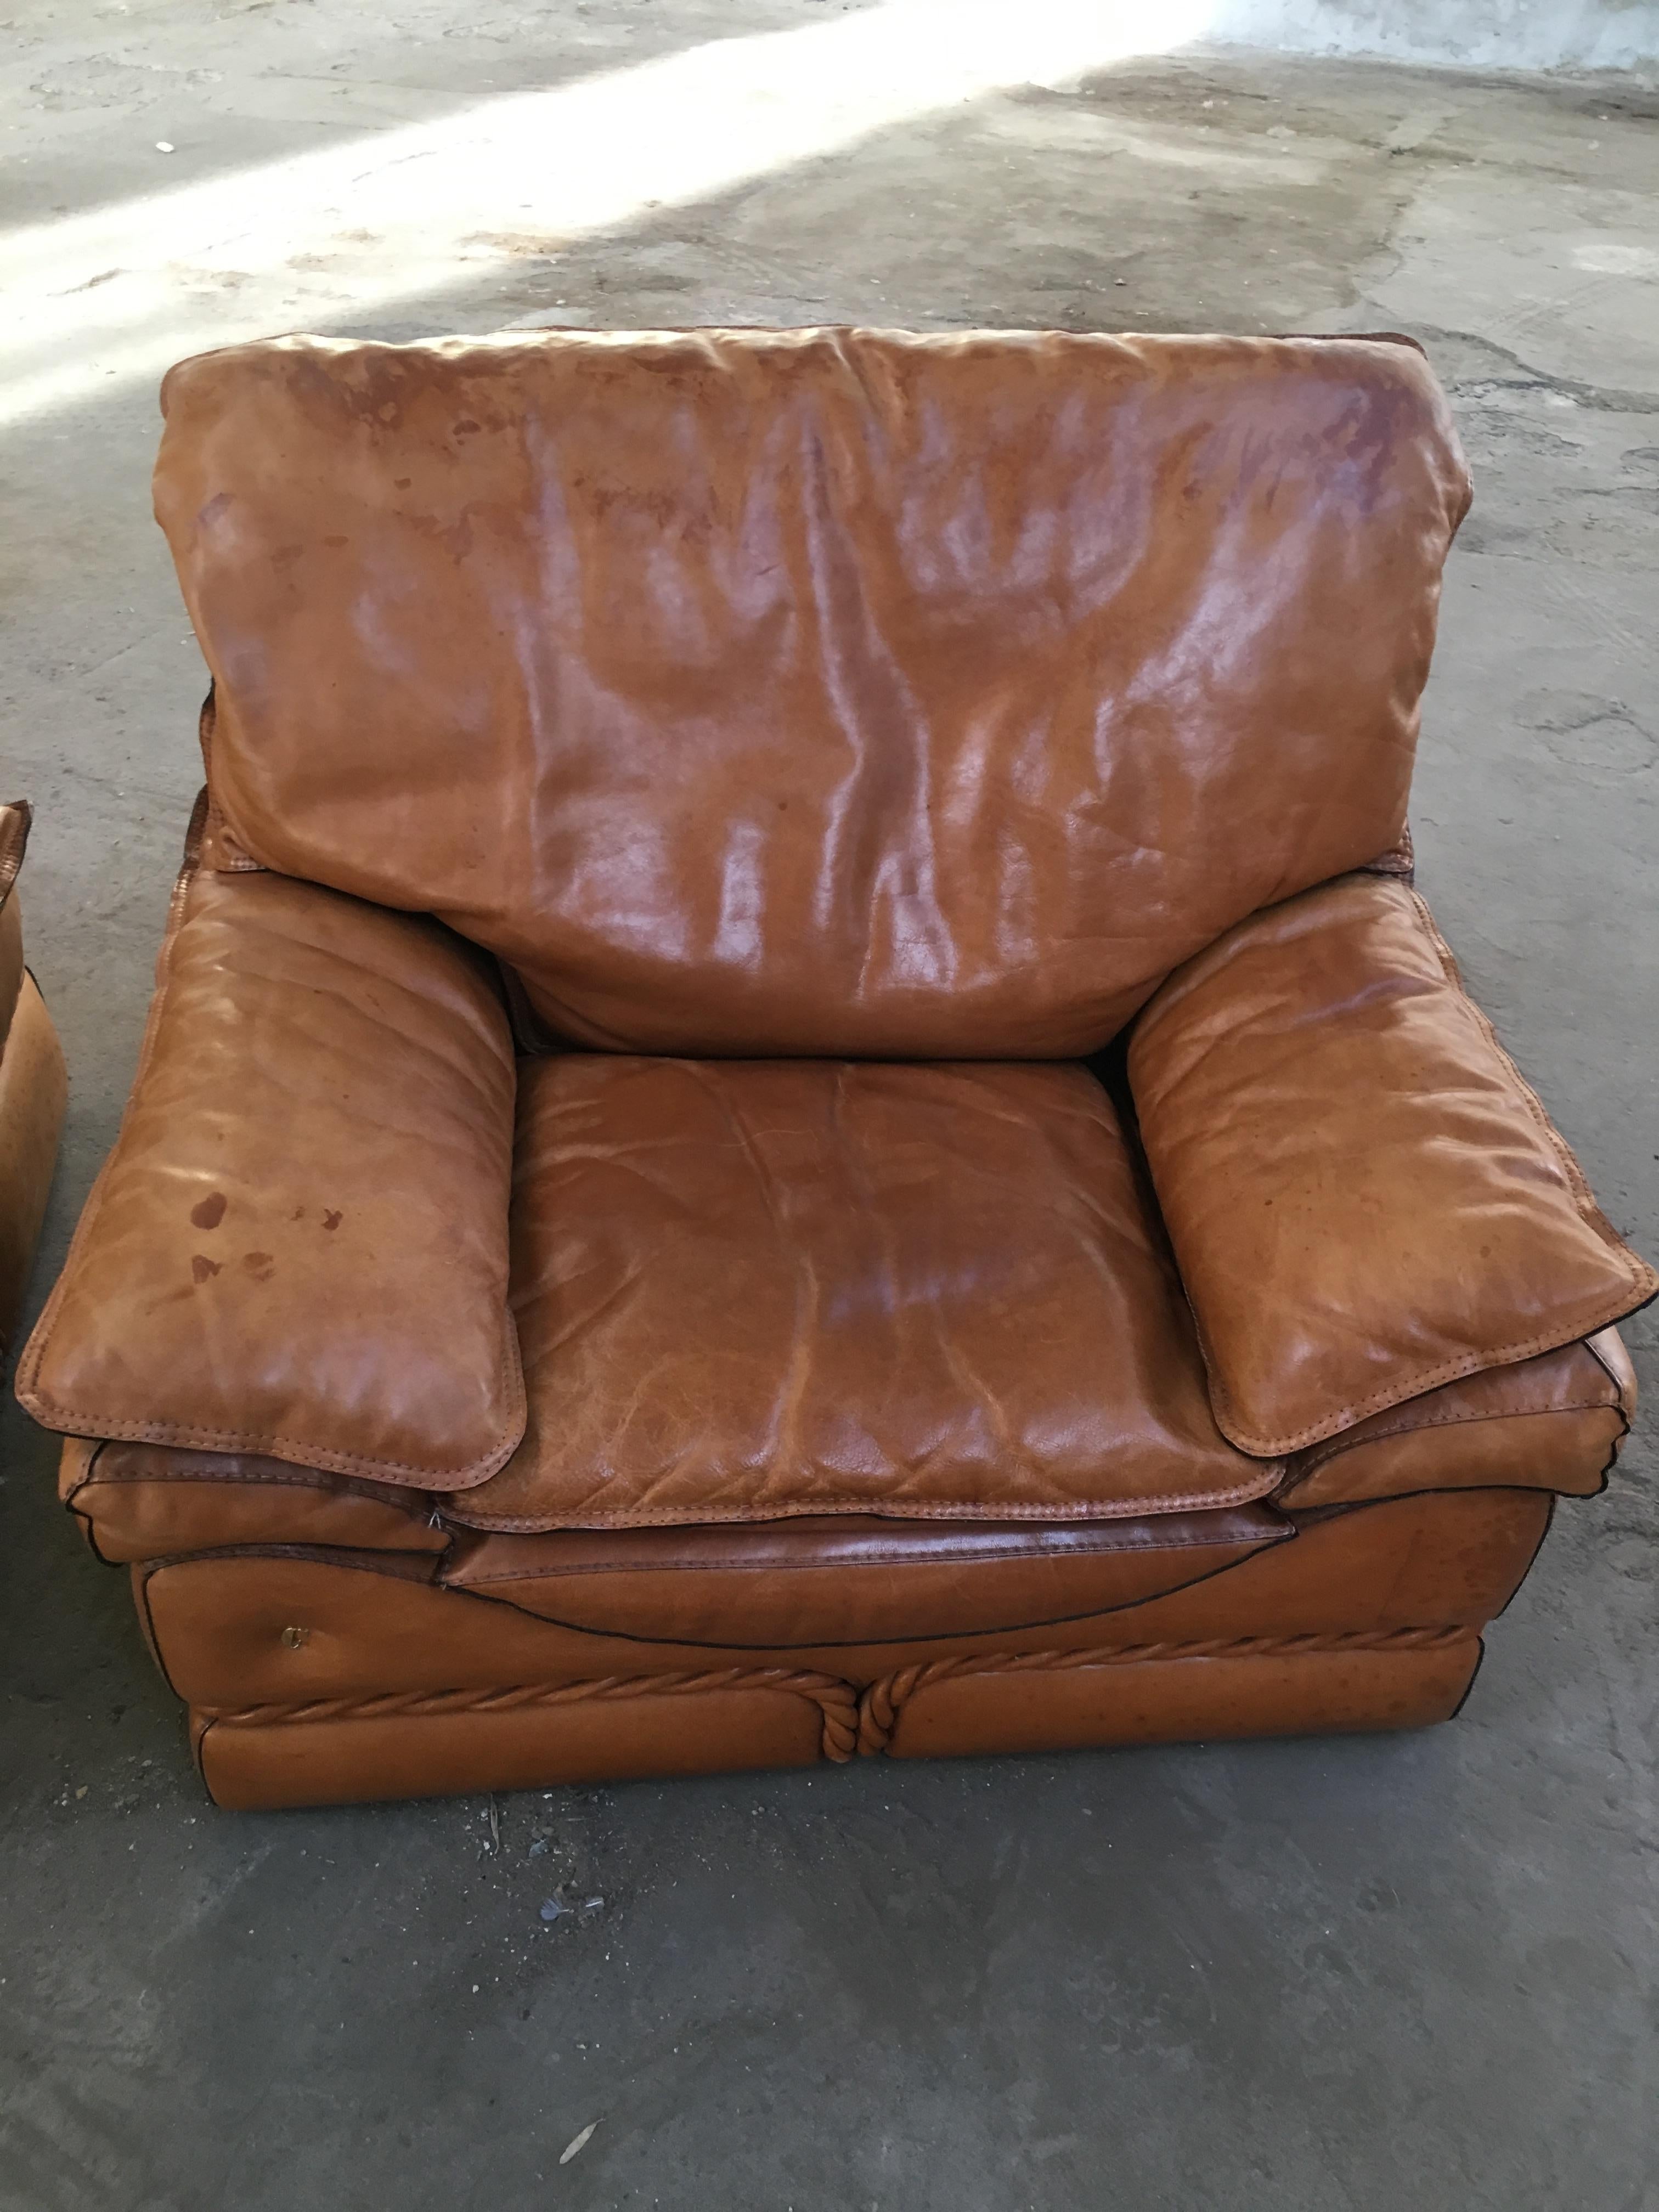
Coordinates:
[34,1091]
[1201,1699]
[351,1761]
[284,1627]
[612,1732]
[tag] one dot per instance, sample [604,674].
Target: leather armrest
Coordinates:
[299,1245]
[13,841]
[1365,1198]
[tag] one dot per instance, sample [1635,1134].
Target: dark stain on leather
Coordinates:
[210,1212]
[331,1220]
[261,1266]
[202,1268]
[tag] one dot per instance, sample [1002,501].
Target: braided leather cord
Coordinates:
[836,1701]
[879,1706]
[854,1724]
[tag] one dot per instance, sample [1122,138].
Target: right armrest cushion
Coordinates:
[299,1245]
[1365,1198]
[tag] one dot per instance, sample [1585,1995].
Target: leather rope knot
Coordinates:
[853,1723]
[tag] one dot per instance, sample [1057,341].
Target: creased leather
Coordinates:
[840,692]
[1365,1198]
[298,1247]
[851,1579]
[1555,1422]
[145,1502]
[746,1290]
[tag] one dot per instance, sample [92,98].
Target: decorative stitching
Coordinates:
[881,1703]
[836,1700]
[1347,1441]
[1243,1493]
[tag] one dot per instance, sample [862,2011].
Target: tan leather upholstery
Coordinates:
[287,1625]
[850,1579]
[851,894]
[294,1663]
[269,1761]
[149,1501]
[298,1247]
[34,1087]
[1365,1200]
[845,692]
[1555,1421]
[11,964]
[745,1289]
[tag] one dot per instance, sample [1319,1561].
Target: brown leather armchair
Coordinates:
[34,1088]
[799,1105]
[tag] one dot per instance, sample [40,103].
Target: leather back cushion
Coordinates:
[820,692]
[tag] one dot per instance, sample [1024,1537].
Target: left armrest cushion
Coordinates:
[299,1248]
[1364,1198]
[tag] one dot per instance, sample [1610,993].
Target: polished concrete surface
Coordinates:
[1330,1976]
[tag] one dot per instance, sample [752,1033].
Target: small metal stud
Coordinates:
[294,1638]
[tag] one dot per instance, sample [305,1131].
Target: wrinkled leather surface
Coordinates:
[1556,1421]
[1365,1198]
[815,692]
[298,1248]
[852,1579]
[747,1290]
[286,1626]
[34,1091]
[145,1502]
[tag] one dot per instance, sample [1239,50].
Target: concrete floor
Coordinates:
[1345,1974]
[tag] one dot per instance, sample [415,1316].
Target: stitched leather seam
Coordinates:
[1096,1612]
[1346,1442]
[722,1516]
[888,1559]
[283,1475]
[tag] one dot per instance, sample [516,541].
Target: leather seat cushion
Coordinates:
[749,1290]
